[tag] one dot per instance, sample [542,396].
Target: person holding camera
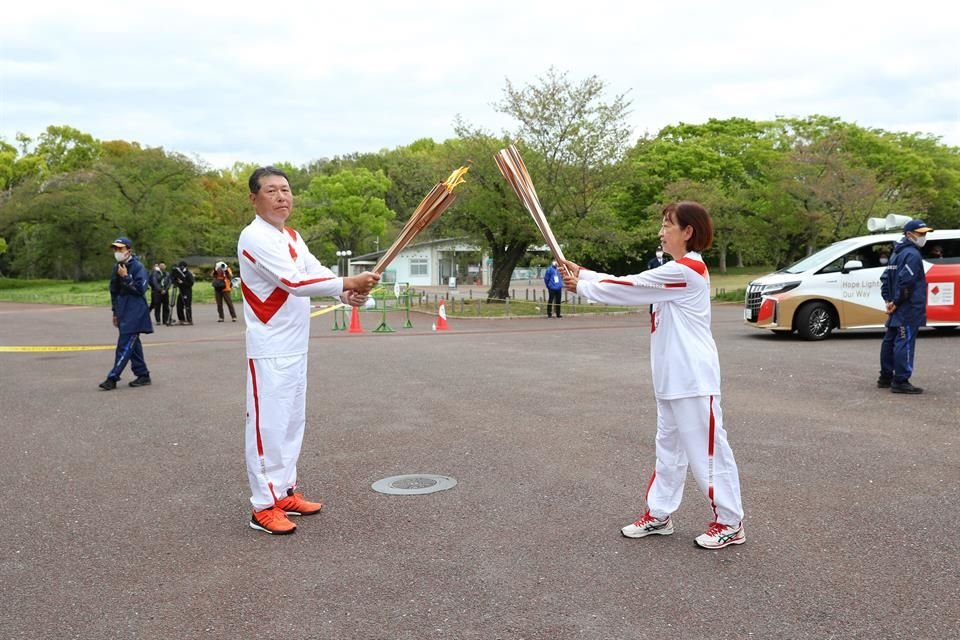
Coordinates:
[183,279]
[160,294]
[222,276]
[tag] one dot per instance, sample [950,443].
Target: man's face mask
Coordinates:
[120,256]
[659,254]
[918,239]
[883,261]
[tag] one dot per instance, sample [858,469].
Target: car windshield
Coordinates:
[824,255]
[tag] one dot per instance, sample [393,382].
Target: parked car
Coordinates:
[839,287]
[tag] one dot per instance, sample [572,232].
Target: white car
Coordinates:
[839,287]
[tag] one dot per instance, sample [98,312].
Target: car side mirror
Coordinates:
[850,265]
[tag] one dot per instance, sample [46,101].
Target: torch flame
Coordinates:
[456,178]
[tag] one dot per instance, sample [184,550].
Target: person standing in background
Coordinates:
[554,282]
[183,279]
[222,287]
[658,260]
[131,314]
[903,286]
[160,294]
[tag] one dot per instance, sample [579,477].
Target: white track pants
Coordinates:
[690,433]
[276,413]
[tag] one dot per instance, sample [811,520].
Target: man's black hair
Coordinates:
[254,182]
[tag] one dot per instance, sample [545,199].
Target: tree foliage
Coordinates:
[776,189]
[572,139]
[344,210]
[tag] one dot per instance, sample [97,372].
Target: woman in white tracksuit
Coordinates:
[686,377]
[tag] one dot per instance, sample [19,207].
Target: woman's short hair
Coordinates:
[692,214]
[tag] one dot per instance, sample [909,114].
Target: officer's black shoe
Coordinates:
[904,387]
[109,384]
[141,381]
[884,383]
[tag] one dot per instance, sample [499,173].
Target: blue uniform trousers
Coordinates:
[129,349]
[896,352]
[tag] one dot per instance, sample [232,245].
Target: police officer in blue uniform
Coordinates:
[903,285]
[131,314]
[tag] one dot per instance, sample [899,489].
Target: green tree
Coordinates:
[487,209]
[722,162]
[571,138]
[157,199]
[3,250]
[344,210]
[64,149]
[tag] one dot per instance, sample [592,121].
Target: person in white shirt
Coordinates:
[686,377]
[278,275]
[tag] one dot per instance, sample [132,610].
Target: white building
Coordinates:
[431,264]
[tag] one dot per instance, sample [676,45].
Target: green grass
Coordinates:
[95,293]
[481,308]
[727,287]
[732,285]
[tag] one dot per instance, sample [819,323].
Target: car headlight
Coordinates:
[770,289]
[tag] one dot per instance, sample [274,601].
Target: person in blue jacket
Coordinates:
[131,314]
[554,282]
[903,285]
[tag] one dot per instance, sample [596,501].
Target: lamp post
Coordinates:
[343,260]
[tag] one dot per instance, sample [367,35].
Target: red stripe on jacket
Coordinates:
[627,283]
[294,285]
[264,309]
[292,234]
[696,265]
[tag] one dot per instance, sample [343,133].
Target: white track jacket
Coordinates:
[683,355]
[278,274]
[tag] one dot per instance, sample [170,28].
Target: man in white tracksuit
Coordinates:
[686,377]
[278,275]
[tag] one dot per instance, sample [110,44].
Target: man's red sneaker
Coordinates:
[272,520]
[295,505]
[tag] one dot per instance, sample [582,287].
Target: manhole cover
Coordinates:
[413,484]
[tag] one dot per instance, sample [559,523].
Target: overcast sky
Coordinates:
[296,81]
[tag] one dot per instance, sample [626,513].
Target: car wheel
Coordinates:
[815,321]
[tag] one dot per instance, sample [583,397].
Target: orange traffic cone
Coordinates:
[442,319]
[355,321]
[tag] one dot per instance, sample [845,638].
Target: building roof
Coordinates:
[376,254]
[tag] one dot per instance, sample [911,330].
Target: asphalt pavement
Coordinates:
[126,511]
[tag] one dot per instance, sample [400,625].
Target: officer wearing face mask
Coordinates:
[903,285]
[658,260]
[131,314]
